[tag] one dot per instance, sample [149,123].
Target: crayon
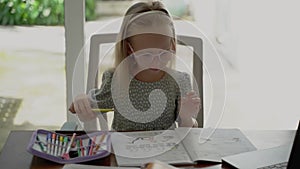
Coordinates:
[53,144]
[40,143]
[48,143]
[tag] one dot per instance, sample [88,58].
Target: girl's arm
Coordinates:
[189,123]
[97,98]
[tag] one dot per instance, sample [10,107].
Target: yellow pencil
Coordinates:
[102,110]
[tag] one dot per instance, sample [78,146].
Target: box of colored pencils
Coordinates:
[66,148]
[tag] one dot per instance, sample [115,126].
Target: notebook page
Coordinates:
[137,148]
[223,142]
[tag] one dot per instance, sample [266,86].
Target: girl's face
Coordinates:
[151,51]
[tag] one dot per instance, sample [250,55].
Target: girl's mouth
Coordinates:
[154,69]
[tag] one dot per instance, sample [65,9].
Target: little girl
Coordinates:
[145,93]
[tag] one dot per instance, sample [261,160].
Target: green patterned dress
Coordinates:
[139,96]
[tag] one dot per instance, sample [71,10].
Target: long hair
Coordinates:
[121,50]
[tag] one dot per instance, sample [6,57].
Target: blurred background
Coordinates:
[257,42]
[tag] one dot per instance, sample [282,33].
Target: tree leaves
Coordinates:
[37,12]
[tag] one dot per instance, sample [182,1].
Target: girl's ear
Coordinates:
[173,44]
[128,48]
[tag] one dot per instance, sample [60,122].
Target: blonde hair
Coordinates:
[131,18]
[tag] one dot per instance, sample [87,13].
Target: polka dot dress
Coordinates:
[156,103]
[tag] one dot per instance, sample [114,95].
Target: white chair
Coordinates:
[99,39]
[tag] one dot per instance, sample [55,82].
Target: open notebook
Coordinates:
[179,146]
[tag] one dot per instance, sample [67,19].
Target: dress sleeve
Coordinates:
[184,87]
[184,84]
[103,95]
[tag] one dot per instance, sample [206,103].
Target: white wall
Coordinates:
[267,34]
[269,58]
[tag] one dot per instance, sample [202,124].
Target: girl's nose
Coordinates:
[155,60]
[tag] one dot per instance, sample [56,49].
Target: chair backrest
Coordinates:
[195,42]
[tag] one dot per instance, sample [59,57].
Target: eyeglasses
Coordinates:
[148,57]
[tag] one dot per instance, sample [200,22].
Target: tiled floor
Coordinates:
[32,79]
[9,107]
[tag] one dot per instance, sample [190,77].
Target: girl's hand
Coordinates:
[82,107]
[189,108]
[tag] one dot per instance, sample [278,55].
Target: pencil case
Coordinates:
[65,148]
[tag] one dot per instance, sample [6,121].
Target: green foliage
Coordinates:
[37,12]
[90,10]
